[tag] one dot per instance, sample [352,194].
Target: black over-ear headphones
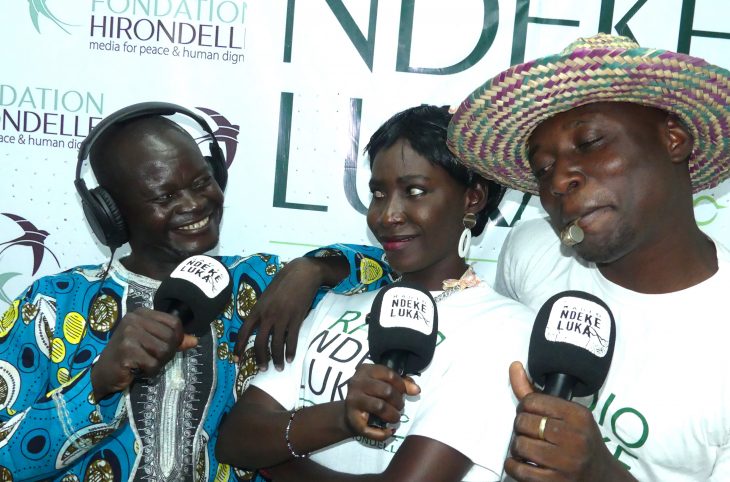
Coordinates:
[99,208]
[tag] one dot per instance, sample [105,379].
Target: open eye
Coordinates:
[416,191]
[377,194]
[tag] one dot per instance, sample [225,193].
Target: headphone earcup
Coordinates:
[220,171]
[104,218]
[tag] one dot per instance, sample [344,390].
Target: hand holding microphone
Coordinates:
[145,340]
[570,353]
[402,331]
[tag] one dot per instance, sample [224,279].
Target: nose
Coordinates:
[190,200]
[393,213]
[566,178]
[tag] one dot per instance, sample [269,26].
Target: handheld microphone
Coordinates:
[402,331]
[571,346]
[196,291]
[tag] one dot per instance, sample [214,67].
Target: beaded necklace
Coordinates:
[451,286]
[468,279]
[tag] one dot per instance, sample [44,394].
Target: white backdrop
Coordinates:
[294,87]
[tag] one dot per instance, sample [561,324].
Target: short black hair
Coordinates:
[106,155]
[425,128]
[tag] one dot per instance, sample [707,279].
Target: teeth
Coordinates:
[199,224]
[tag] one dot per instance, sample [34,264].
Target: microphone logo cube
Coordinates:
[580,322]
[407,308]
[210,276]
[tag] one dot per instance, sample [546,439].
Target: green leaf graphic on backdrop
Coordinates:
[4,278]
[37,7]
[711,200]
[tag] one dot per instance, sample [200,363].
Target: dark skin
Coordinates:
[620,168]
[172,207]
[278,329]
[416,213]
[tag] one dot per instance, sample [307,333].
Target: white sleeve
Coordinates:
[503,283]
[284,386]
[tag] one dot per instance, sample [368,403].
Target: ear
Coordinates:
[475,197]
[680,141]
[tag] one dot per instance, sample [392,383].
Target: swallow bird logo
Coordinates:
[32,237]
[224,132]
[38,8]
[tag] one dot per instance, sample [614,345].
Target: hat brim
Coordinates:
[490,129]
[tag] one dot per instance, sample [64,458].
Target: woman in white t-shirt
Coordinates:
[453,422]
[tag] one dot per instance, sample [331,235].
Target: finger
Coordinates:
[247,329]
[391,392]
[144,334]
[292,336]
[553,407]
[379,407]
[521,385]
[359,423]
[261,347]
[378,434]
[141,362]
[189,341]
[412,388]
[521,469]
[165,327]
[277,347]
[157,347]
[528,425]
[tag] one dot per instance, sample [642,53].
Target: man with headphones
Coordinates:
[96,385]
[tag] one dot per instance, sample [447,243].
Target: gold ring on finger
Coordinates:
[541,428]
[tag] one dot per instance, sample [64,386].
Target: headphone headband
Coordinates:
[134,111]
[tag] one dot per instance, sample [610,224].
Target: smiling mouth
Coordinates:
[394,244]
[197,225]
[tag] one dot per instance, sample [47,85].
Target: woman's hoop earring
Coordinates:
[470,220]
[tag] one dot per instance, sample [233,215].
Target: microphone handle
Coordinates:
[559,385]
[396,361]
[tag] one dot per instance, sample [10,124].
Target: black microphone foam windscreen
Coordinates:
[200,284]
[403,319]
[574,334]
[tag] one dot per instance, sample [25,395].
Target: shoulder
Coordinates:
[723,254]
[254,266]
[253,261]
[533,260]
[483,309]
[68,281]
[530,238]
[723,262]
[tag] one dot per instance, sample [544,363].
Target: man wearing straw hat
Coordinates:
[616,139]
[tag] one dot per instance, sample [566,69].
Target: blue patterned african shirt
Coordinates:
[161,428]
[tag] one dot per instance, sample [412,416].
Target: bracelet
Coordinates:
[286,436]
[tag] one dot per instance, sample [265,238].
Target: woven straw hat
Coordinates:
[489,130]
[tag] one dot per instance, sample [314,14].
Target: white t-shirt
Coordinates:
[665,406]
[465,402]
